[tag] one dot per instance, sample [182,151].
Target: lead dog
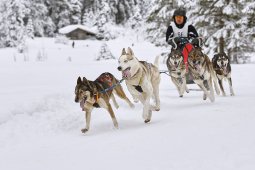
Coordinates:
[177,70]
[203,73]
[94,94]
[221,65]
[142,80]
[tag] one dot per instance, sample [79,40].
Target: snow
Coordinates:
[40,122]
[70,28]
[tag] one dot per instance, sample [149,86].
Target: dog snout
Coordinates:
[175,62]
[119,68]
[76,99]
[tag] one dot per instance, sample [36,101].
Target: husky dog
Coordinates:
[96,94]
[203,73]
[177,70]
[142,80]
[221,65]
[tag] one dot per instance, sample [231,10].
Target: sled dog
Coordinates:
[203,73]
[177,70]
[142,80]
[94,94]
[221,65]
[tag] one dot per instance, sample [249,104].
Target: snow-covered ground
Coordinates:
[40,122]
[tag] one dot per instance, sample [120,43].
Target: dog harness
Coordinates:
[139,87]
[105,79]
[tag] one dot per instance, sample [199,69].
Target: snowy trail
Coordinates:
[40,124]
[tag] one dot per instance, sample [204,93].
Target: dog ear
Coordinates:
[87,83]
[225,55]
[79,80]
[123,52]
[84,80]
[215,57]
[129,51]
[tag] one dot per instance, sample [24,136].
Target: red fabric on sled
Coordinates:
[185,52]
[187,48]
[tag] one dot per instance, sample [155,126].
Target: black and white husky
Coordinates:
[221,65]
[177,70]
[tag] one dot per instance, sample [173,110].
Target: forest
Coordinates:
[229,21]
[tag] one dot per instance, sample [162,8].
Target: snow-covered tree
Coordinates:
[158,20]
[2,27]
[136,19]
[39,16]
[75,6]
[105,53]
[88,18]
[103,19]
[30,29]
[248,23]
[60,12]
[13,22]
[217,21]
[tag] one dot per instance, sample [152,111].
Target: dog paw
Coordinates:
[84,130]
[204,97]
[147,121]
[181,96]
[116,125]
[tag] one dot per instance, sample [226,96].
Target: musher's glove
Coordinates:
[197,42]
[174,42]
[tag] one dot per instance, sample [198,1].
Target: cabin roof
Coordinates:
[70,28]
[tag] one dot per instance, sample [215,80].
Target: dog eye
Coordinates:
[125,61]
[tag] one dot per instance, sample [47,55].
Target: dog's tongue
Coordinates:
[126,73]
[82,104]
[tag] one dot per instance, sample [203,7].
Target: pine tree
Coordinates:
[248,23]
[39,13]
[13,22]
[88,18]
[235,44]
[60,13]
[158,21]
[104,53]
[2,26]
[75,11]
[136,19]
[30,29]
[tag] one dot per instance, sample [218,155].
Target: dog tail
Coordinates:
[156,61]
